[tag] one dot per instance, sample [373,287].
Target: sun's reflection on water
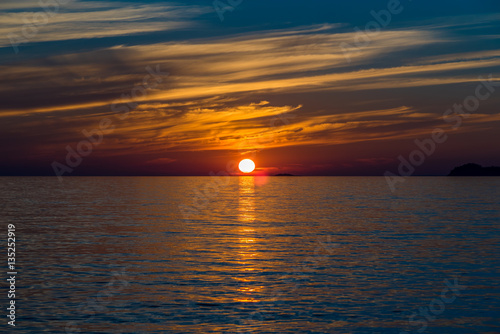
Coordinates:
[248,251]
[246,199]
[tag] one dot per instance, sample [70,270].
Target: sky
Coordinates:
[300,87]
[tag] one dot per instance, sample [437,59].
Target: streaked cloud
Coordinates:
[280,61]
[30,22]
[231,92]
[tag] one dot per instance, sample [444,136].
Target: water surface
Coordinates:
[254,255]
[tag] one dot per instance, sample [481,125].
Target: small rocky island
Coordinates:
[475,170]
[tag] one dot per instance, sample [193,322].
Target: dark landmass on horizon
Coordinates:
[472,169]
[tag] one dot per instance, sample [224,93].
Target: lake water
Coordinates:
[254,255]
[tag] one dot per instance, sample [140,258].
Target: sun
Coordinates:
[246,166]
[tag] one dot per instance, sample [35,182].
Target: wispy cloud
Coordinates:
[305,61]
[90,19]
[220,91]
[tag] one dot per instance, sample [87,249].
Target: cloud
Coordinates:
[306,59]
[279,61]
[28,22]
[221,92]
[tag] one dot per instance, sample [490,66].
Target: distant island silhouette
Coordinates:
[284,174]
[471,169]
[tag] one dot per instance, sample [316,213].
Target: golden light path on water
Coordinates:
[248,251]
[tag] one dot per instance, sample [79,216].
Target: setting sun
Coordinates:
[246,166]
